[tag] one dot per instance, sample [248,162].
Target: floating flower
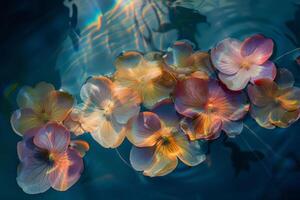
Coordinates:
[159,142]
[106,110]
[239,63]
[275,103]
[146,75]
[182,60]
[210,108]
[47,160]
[39,106]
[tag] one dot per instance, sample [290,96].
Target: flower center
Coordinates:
[108,107]
[210,107]
[246,64]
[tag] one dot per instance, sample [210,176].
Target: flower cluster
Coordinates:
[164,103]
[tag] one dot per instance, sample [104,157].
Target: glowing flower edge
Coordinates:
[184,102]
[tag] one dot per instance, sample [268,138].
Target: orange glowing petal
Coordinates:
[129,59]
[190,152]
[25,119]
[80,146]
[126,104]
[290,99]
[73,122]
[66,170]
[59,105]
[283,118]
[162,165]
[261,115]
[109,133]
[207,126]
[144,129]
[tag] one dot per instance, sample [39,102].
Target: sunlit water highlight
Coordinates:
[107,29]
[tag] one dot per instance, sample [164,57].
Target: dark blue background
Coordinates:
[32,33]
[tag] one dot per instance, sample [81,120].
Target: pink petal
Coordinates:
[265,71]
[141,158]
[237,81]
[226,56]
[66,171]
[190,96]
[53,137]
[257,48]
[143,129]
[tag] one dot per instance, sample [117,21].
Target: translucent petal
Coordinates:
[80,146]
[53,137]
[144,129]
[207,126]
[190,152]
[260,95]
[232,128]
[237,81]
[290,99]
[261,115]
[110,133]
[32,177]
[126,105]
[129,59]
[179,54]
[34,97]
[141,158]
[257,48]
[226,56]
[284,78]
[25,119]
[162,165]
[96,90]
[283,118]
[59,105]
[66,171]
[265,70]
[190,96]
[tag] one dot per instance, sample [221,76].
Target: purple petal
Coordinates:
[144,128]
[53,137]
[141,158]
[257,48]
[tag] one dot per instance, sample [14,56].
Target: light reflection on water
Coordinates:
[109,27]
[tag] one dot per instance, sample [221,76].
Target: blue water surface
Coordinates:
[65,42]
